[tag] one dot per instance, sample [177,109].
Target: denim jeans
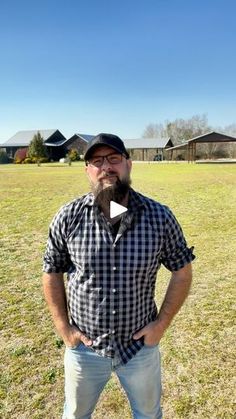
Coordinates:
[86,374]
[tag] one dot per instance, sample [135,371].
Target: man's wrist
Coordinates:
[63,329]
[162,324]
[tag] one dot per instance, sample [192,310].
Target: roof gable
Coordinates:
[23,138]
[86,137]
[212,136]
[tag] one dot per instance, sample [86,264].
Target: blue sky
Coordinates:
[115,66]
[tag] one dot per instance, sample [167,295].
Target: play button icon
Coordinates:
[116,209]
[106,201]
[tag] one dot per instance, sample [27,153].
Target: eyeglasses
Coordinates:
[97,161]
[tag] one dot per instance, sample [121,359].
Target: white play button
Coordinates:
[116,209]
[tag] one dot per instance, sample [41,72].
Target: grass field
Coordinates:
[197,350]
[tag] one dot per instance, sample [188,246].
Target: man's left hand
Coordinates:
[152,333]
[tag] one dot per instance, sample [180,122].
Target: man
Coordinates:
[108,318]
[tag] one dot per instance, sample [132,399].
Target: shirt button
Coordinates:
[113,332]
[114,245]
[114,290]
[114,268]
[114,312]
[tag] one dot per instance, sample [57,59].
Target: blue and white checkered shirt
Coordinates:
[111,279]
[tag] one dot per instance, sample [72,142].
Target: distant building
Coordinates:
[139,149]
[188,149]
[58,145]
[53,139]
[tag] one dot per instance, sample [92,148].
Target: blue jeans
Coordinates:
[86,374]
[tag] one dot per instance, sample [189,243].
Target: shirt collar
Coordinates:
[136,201]
[89,199]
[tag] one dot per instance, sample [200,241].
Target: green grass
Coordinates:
[197,350]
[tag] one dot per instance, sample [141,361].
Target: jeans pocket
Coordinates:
[150,346]
[75,346]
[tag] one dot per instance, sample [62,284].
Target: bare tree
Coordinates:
[229,130]
[179,130]
[155,131]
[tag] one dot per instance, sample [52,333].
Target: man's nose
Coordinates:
[106,164]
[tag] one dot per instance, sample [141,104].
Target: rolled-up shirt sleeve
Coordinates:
[56,258]
[175,252]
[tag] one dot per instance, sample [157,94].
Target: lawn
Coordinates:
[197,350]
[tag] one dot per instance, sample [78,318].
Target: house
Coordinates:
[148,148]
[53,139]
[56,143]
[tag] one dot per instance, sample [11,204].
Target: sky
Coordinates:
[115,66]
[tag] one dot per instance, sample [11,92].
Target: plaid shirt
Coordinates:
[111,280]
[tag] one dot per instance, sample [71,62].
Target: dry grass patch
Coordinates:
[197,351]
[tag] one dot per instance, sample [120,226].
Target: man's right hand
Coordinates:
[72,337]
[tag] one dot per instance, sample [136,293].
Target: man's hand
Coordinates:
[152,333]
[55,295]
[72,337]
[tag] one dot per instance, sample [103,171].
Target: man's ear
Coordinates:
[129,161]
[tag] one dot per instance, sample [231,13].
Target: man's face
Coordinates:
[111,180]
[108,174]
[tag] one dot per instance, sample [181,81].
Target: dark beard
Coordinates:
[116,192]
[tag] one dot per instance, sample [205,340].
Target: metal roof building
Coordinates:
[190,146]
[53,139]
[58,146]
[148,148]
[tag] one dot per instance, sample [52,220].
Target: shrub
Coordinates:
[43,160]
[28,160]
[3,157]
[73,154]
[20,155]
[33,160]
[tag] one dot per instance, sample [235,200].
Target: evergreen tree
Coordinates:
[37,149]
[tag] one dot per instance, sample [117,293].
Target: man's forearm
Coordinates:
[55,296]
[176,294]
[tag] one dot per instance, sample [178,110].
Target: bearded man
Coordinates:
[107,317]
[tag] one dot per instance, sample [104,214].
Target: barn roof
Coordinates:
[144,143]
[23,138]
[212,137]
[208,137]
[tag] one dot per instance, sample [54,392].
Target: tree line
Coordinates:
[181,130]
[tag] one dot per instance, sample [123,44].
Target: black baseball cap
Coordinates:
[110,140]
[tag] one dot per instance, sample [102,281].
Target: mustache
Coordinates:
[107,174]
